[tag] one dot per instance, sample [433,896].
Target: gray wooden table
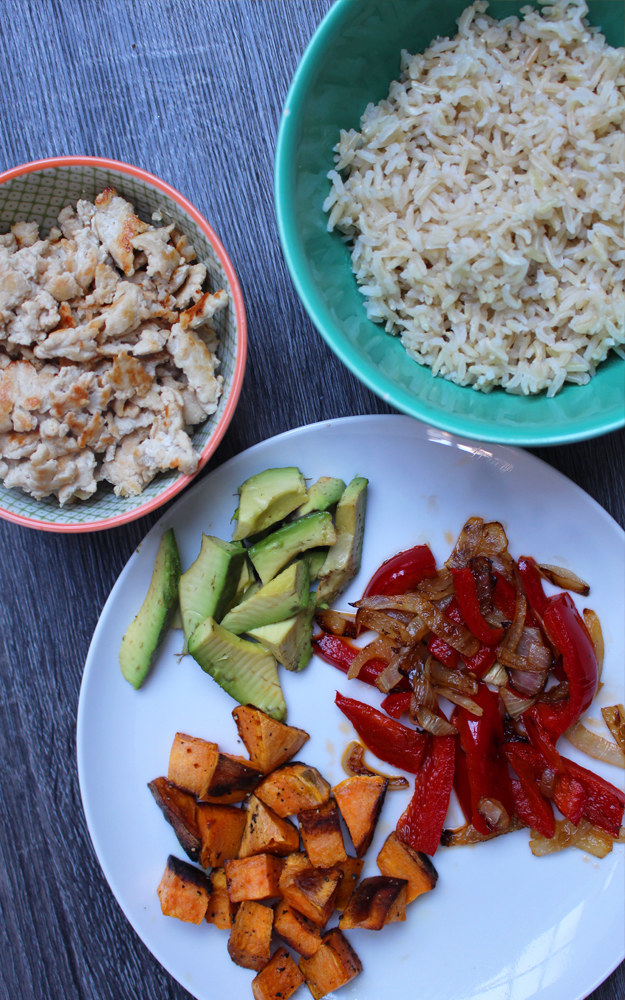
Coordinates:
[190,90]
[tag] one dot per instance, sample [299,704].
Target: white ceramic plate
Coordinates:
[500,923]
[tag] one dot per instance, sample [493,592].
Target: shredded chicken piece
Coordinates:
[107,352]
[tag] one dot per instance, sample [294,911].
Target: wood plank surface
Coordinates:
[190,90]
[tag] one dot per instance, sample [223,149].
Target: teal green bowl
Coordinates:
[350,61]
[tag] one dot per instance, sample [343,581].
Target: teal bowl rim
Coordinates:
[285,159]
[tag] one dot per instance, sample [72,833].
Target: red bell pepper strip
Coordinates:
[570,797]
[465,592]
[421,824]
[340,653]
[443,652]
[481,662]
[532,584]
[462,786]
[530,805]
[486,770]
[402,572]
[504,595]
[397,703]
[605,804]
[385,737]
[568,635]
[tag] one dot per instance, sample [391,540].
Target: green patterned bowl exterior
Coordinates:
[350,61]
[37,192]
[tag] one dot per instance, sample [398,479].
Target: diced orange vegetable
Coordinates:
[192,762]
[255,877]
[375,901]
[350,870]
[249,943]
[297,930]
[360,800]
[232,779]
[399,860]
[178,808]
[279,979]
[320,828]
[293,787]
[184,891]
[333,965]
[309,890]
[268,742]
[265,831]
[220,909]
[221,829]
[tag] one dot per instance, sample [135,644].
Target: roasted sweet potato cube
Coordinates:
[221,829]
[265,831]
[249,943]
[350,870]
[178,808]
[192,762]
[256,877]
[220,909]
[333,965]
[309,890]
[360,800]
[279,979]
[268,742]
[293,787]
[375,902]
[399,860]
[184,891]
[297,930]
[320,828]
[233,779]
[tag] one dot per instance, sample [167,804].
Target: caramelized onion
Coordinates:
[459,680]
[514,633]
[594,745]
[595,631]
[564,578]
[467,834]
[353,763]
[381,648]
[585,836]
[457,636]
[514,703]
[614,718]
[494,813]
[459,699]
[337,622]
[433,723]
[391,675]
[467,543]
[439,587]
[496,676]
[384,624]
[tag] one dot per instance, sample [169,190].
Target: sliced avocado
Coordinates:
[276,550]
[208,586]
[343,561]
[245,669]
[290,641]
[247,581]
[147,630]
[267,498]
[277,600]
[322,495]
[315,559]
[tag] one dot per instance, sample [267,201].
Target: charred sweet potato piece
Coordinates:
[220,909]
[399,860]
[350,870]
[375,901]
[232,779]
[249,943]
[360,800]
[293,787]
[279,979]
[268,742]
[221,829]
[265,831]
[297,930]
[191,762]
[179,809]
[309,890]
[184,891]
[256,877]
[333,965]
[320,828]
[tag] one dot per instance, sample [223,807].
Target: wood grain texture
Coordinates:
[191,91]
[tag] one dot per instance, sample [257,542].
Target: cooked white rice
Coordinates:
[484,201]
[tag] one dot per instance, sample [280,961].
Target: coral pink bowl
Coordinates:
[37,191]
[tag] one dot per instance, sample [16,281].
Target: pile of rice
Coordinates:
[484,201]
